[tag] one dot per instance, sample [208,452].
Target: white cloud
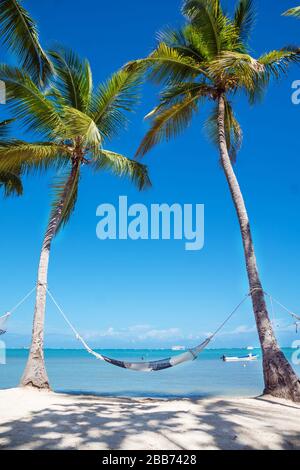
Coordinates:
[136,333]
[242,329]
[279,325]
[139,328]
[161,334]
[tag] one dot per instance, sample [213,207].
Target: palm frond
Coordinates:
[73,78]
[78,124]
[11,182]
[277,63]
[123,166]
[113,99]
[239,68]
[169,122]
[293,12]
[206,14]
[32,156]
[65,193]
[166,64]
[186,41]
[5,127]
[28,103]
[19,33]
[216,29]
[244,18]
[175,93]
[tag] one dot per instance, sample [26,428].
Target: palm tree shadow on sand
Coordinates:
[94,423]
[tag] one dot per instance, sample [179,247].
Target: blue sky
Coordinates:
[154,293]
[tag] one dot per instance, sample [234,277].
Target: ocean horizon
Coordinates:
[75,371]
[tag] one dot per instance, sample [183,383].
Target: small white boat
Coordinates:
[178,348]
[248,358]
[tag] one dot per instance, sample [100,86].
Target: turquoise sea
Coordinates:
[75,371]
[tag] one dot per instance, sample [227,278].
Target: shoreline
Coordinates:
[31,419]
[142,349]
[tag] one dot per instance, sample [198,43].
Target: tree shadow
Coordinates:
[87,422]
[268,399]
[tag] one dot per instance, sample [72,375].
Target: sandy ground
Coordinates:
[40,420]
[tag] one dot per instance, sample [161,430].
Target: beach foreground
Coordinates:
[40,420]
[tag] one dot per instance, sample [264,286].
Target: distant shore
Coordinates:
[40,420]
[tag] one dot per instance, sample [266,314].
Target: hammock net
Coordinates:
[153,366]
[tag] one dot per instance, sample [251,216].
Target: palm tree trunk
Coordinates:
[35,374]
[280,379]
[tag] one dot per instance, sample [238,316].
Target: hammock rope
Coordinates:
[4,318]
[273,300]
[189,355]
[296,317]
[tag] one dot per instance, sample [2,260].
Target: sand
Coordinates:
[44,420]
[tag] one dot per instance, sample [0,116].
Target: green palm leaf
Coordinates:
[244,18]
[80,125]
[122,166]
[205,15]
[112,100]
[211,23]
[277,63]
[28,103]
[186,41]
[11,182]
[20,34]
[169,122]
[175,93]
[5,127]
[293,12]
[37,156]
[73,78]
[166,64]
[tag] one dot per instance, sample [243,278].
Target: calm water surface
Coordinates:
[76,371]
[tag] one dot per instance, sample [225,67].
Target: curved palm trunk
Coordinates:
[35,374]
[280,379]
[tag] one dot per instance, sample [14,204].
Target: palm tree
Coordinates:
[208,60]
[293,12]
[72,120]
[19,33]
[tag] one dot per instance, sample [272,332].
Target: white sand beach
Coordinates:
[40,420]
